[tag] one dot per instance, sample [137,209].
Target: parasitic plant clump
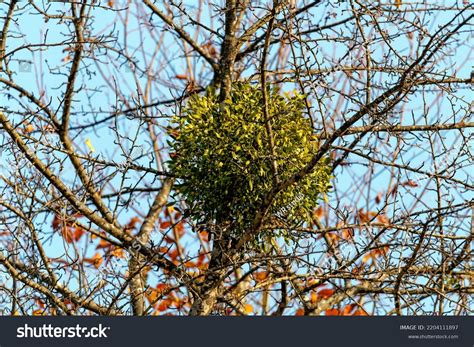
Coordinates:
[224,159]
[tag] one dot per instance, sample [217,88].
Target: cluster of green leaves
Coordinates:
[225,161]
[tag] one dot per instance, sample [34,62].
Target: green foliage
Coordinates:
[224,159]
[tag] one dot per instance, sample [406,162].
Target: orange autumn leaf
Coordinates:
[164,249]
[357,269]
[378,198]
[165,224]
[145,271]
[164,305]
[333,312]
[131,224]
[299,312]
[333,238]
[181,77]
[365,217]
[394,190]
[179,229]
[381,251]
[372,214]
[103,244]
[68,229]
[201,259]
[319,213]
[78,232]
[347,233]
[383,219]
[48,129]
[168,239]
[366,257]
[68,302]
[40,303]
[248,308]
[28,129]
[133,221]
[375,253]
[362,216]
[349,309]
[118,252]
[60,261]
[67,234]
[325,293]
[151,295]
[204,235]
[56,223]
[360,312]
[210,48]
[261,276]
[96,260]
[190,264]
[162,287]
[410,183]
[173,254]
[353,310]
[203,266]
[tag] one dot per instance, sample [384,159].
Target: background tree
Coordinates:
[91,219]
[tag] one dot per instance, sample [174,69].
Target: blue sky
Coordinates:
[49,67]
